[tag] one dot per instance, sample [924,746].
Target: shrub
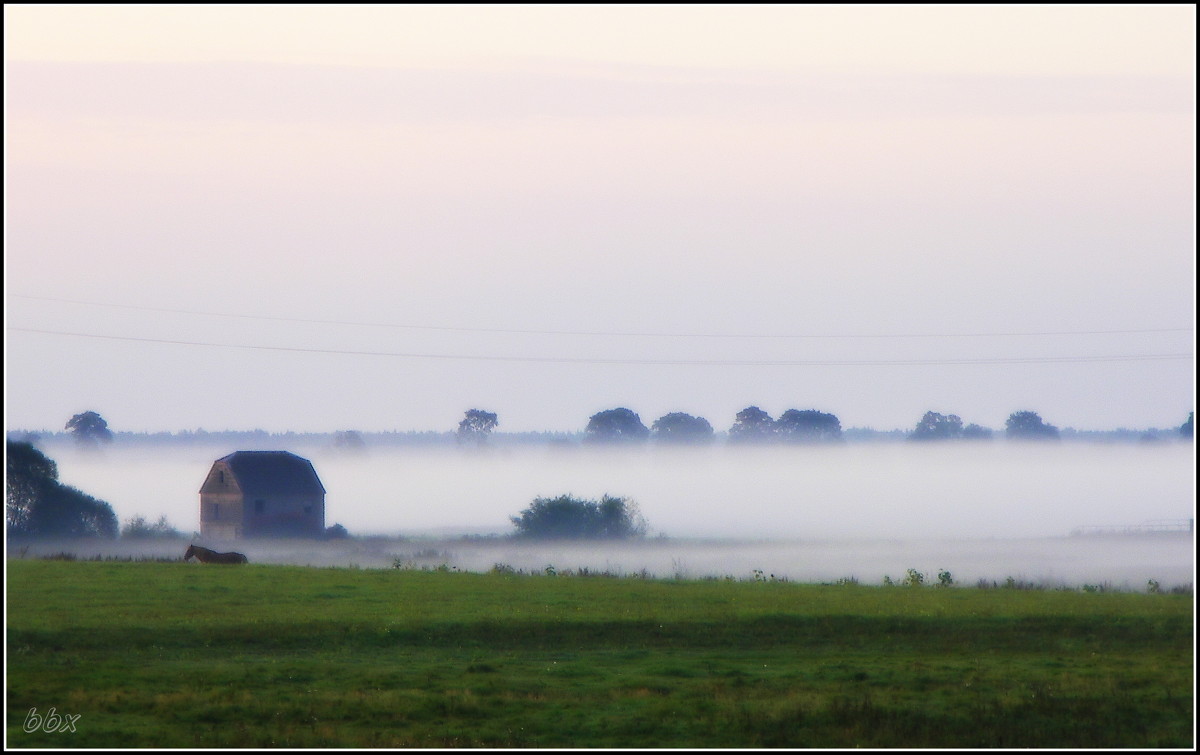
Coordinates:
[565,517]
[137,527]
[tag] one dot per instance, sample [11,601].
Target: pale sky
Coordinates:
[292,217]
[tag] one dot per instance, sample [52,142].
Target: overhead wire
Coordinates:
[529,331]
[590,360]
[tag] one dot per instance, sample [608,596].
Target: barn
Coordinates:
[262,494]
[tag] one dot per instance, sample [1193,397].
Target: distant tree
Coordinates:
[38,505]
[1186,429]
[616,426]
[976,432]
[1028,426]
[752,425]
[566,517]
[89,429]
[934,426]
[678,427]
[808,426]
[138,528]
[476,426]
[350,441]
[336,532]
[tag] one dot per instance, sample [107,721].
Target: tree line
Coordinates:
[618,426]
[37,505]
[752,425]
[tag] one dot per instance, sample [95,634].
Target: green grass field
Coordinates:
[183,655]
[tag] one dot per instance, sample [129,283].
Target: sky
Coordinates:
[320,218]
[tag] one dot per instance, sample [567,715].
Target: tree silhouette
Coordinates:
[137,527]
[752,425]
[29,473]
[616,426]
[38,505]
[808,426]
[976,432]
[566,517]
[678,427]
[934,426]
[1027,425]
[349,441]
[476,426]
[89,429]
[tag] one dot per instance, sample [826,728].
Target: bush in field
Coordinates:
[138,527]
[566,517]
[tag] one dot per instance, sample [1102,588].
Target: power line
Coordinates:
[684,362]
[517,331]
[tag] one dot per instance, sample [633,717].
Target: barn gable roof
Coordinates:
[273,472]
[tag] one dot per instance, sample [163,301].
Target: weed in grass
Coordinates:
[66,556]
[1020,584]
[679,569]
[760,576]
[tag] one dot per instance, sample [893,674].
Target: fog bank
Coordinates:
[873,491]
[1122,562]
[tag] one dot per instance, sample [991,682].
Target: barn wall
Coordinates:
[283,516]
[221,511]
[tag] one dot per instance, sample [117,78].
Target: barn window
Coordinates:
[215,510]
[221,477]
[308,509]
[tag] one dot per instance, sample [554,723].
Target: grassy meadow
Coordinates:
[145,654]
